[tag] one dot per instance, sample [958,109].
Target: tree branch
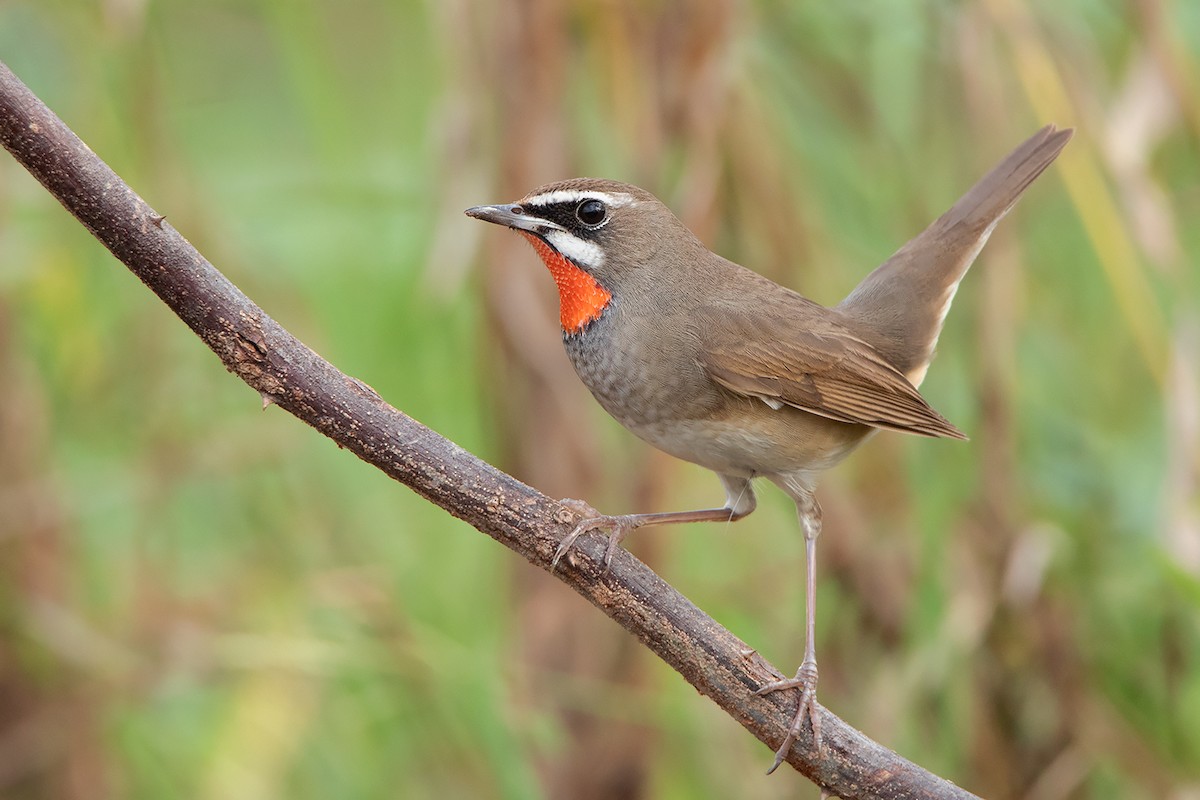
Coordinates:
[286,372]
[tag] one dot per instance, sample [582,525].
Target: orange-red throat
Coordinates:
[581,298]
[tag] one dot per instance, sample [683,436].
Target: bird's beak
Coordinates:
[513,216]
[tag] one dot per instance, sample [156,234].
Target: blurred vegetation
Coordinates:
[200,599]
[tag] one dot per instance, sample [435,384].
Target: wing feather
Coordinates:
[789,353]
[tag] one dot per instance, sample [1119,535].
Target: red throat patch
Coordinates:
[580,298]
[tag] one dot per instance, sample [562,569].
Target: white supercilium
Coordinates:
[611,199]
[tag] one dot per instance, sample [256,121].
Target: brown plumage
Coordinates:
[822,368]
[720,366]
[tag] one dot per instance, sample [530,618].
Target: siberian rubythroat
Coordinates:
[717,365]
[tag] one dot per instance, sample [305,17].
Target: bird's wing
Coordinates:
[785,351]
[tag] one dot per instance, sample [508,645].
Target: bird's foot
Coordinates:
[806,682]
[617,528]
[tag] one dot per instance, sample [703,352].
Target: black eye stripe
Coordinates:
[567,213]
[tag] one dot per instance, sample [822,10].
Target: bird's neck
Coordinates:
[581,298]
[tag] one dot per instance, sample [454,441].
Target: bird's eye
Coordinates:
[591,212]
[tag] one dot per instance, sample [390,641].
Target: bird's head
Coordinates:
[593,235]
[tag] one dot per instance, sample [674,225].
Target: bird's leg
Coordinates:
[739,502]
[618,527]
[809,512]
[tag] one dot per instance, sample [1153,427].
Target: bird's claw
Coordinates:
[806,682]
[617,528]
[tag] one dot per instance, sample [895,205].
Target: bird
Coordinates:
[718,365]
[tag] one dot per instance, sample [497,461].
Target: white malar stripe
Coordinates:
[612,199]
[583,253]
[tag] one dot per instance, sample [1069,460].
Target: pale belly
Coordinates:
[753,442]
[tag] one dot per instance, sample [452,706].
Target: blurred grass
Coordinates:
[202,599]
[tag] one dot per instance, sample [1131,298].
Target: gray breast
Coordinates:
[636,375]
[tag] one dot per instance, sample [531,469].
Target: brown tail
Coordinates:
[900,306]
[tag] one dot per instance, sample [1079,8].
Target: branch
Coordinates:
[286,372]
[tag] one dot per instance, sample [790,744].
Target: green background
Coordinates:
[200,599]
